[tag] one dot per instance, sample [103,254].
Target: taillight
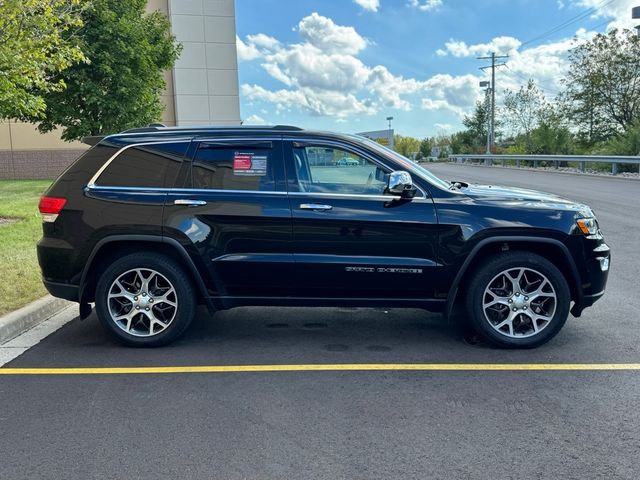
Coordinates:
[50,207]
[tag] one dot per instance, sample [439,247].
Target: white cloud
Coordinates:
[246,52]
[325,77]
[389,88]
[500,45]
[619,11]
[323,33]
[453,93]
[255,120]
[305,65]
[316,102]
[425,5]
[263,41]
[443,126]
[371,5]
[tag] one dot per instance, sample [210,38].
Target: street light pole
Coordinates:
[391,142]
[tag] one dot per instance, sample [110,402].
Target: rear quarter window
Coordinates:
[146,166]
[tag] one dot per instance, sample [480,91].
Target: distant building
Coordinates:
[201,89]
[383,137]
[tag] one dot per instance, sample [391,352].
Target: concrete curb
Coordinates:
[19,321]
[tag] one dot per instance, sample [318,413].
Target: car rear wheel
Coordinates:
[145,300]
[518,300]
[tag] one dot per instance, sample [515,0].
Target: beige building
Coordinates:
[201,89]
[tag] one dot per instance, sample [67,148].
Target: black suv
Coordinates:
[150,222]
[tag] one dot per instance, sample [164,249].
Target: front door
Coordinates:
[350,239]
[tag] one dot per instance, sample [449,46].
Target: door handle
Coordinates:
[318,207]
[189,203]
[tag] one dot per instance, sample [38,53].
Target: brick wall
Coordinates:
[35,164]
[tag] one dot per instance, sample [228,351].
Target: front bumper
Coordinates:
[593,264]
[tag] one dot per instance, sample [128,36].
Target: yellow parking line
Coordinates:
[326,367]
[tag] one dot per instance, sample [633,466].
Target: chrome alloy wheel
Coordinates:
[142,302]
[519,302]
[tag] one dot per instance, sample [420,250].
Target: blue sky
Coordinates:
[346,65]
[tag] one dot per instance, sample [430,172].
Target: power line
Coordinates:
[568,22]
[547,90]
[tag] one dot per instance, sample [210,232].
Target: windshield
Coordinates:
[405,162]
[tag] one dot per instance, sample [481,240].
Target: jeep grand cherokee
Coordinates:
[150,222]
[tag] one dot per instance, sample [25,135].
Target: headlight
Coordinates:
[588,226]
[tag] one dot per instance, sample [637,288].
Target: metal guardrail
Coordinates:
[582,160]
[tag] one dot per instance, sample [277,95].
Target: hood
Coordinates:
[522,196]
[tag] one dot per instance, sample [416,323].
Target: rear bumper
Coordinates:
[63,290]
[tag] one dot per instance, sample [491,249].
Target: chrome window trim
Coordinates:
[347,147]
[94,179]
[357,196]
[348,196]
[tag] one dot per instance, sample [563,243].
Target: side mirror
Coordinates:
[400,183]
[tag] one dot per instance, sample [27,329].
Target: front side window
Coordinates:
[233,167]
[323,169]
[147,166]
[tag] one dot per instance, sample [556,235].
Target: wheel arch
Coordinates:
[549,248]
[119,245]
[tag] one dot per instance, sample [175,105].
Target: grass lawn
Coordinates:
[20,229]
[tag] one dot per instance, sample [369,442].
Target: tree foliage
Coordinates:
[120,88]
[406,146]
[603,85]
[37,42]
[524,110]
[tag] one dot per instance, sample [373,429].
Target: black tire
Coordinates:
[522,325]
[181,315]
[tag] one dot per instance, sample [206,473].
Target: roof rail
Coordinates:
[92,140]
[287,127]
[156,127]
[152,127]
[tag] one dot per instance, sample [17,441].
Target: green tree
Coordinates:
[477,124]
[37,42]
[120,88]
[524,110]
[425,147]
[602,86]
[627,143]
[406,146]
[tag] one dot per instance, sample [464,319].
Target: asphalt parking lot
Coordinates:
[345,424]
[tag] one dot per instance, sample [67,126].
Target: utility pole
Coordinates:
[487,86]
[493,66]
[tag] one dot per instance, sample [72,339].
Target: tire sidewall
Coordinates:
[507,261]
[163,265]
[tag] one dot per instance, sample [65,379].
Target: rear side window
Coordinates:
[147,166]
[234,167]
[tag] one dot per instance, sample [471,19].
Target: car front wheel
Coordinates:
[145,299]
[518,300]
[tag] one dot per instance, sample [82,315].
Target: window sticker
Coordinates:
[248,164]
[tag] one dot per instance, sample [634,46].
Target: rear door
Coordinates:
[233,214]
[350,239]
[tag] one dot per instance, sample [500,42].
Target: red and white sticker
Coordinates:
[249,164]
[242,161]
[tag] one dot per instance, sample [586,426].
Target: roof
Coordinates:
[159,132]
